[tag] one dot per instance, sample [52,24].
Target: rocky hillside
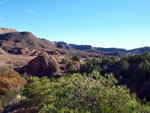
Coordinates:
[27,43]
[24,40]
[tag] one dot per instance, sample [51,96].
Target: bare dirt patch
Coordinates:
[14,61]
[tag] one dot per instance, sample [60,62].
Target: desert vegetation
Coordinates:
[100,86]
[65,80]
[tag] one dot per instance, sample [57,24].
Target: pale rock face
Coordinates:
[6,30]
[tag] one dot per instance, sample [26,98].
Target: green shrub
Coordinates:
[91,65]
[76,58]
[70,67]
[81,94]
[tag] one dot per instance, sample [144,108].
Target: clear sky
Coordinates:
[101,23]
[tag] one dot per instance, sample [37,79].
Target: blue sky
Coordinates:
[101,23]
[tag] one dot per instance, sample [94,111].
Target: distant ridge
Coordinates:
[89,48]
[6,30]
[11,38]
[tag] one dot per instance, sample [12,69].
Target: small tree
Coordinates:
[76,58]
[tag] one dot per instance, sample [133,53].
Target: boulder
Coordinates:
[43,64]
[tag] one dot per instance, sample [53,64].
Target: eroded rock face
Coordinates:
[43,64]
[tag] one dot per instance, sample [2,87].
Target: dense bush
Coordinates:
[81,94]
[91,65]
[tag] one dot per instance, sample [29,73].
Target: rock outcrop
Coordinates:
[43,64]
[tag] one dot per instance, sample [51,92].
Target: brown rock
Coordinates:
[43,64]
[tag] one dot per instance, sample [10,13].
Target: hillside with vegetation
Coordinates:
[107,85]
